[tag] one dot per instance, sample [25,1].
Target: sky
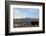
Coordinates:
[26,12]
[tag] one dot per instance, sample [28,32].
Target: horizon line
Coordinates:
[25,17]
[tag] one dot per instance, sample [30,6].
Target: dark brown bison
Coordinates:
[35,23]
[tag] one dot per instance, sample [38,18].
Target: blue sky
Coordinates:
[26,12]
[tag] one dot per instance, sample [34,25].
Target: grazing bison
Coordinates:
[35,23]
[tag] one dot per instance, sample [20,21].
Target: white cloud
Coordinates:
[17,14]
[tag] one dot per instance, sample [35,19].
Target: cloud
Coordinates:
[17,14]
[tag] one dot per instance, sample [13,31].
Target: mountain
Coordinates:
[25,20]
